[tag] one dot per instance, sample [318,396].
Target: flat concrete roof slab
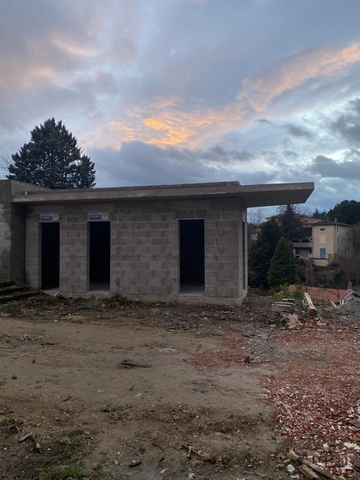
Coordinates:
[249,195]
[276,194]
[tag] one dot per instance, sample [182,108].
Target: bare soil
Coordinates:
[142,391]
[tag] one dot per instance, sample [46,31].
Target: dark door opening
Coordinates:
[99,258]
[192,256]
[50,255]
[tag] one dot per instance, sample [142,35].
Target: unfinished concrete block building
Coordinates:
[159,243]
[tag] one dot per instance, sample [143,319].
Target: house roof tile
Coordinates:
[329,294]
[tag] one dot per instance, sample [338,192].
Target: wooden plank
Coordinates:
[312,309]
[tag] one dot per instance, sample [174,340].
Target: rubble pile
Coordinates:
[348,312]
[319,403]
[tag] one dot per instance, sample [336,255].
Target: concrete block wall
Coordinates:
[17,253]
[5,242]
[145,248]
[144,261]
[12,236]
[33,241]
[74,252]
[32,250]
[222,251]
[73,246]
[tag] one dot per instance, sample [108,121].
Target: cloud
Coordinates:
[166,120]
[140,163]
[330,168]
[297,131]
[293,72]
[290,155]
[189,90]
[42,41]
[347,125]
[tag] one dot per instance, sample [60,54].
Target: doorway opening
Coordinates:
[99,255]
[192,256]
[244,254]
[50,256]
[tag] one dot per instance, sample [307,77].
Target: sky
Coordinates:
[188,91]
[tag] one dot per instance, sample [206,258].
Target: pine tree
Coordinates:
[290,224]
[52,159]
[320,215]
[282,269]
[261,252]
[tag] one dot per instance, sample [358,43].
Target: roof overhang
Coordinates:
[276,194]
[249,195]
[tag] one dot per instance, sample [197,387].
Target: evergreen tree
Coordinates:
[282,269]
[261,252]
[290,224]
[52,159]
[347,211]
[319,215]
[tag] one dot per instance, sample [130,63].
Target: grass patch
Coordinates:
[10,309]
[6,421]
[80,301]
[74,471]
[74,449]
[117,299]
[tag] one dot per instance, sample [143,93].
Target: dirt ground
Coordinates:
[160,391]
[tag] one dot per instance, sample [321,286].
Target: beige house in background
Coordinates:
[302,250]
[330,241]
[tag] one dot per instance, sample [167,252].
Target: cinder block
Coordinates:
[282,307]
[160,241]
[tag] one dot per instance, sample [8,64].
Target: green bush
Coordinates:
[283,292]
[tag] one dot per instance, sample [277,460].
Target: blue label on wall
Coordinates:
[49,217]
[98,217]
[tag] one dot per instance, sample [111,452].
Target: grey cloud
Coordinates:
[122,50]
[289,154]
[272,157]
[256,177]
[29,111]
[31,49]
[89,63]
[297,131]
[218,154]
[348,124]
[264,120]
[137,163]
[329,168]
[329,192]
[352,155]
[49,101]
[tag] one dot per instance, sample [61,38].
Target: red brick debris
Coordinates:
[317,393]
[232,353]
[316,390]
